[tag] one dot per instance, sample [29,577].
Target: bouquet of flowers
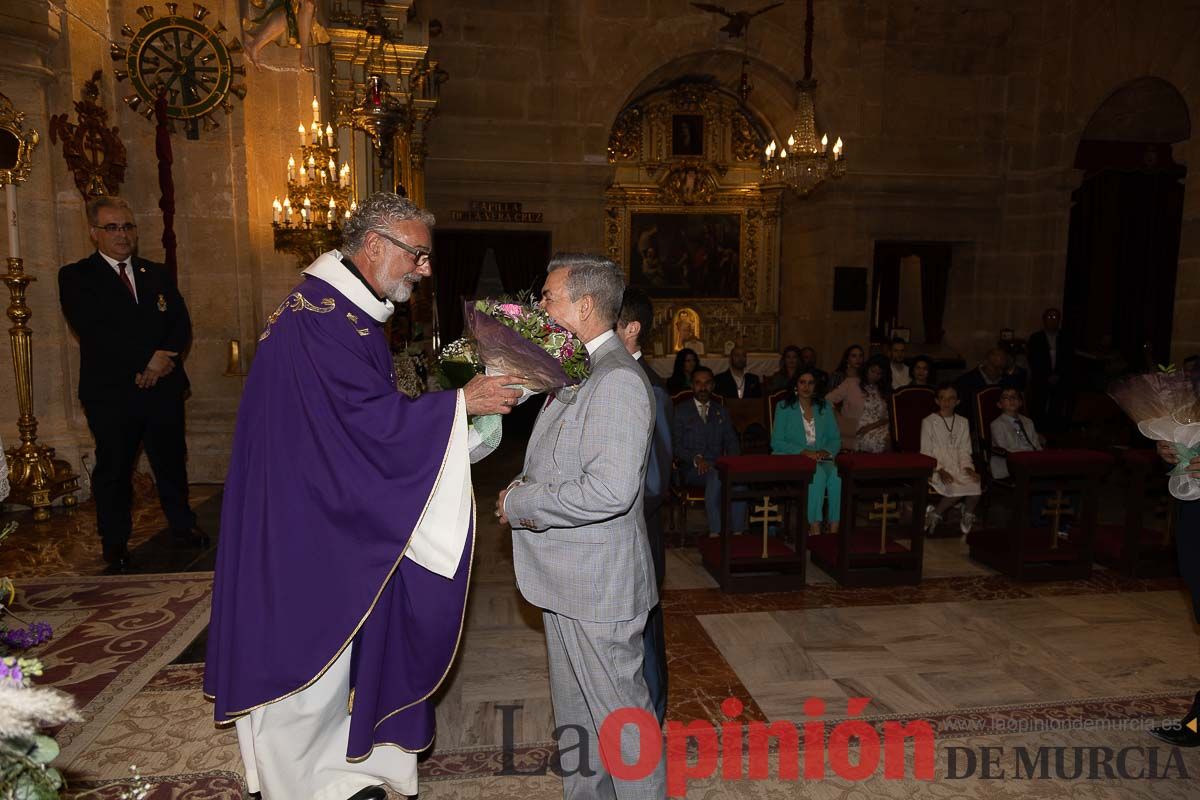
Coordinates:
[1165,406]
[513,337]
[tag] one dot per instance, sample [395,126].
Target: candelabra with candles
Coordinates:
[319,196]
[804,163]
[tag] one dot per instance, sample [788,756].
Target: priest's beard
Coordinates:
[399,290]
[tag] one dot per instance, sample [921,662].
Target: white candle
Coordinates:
[14,237]
[316,107]
[303,136]
[303,176]
[329,135]
[276,211]
[287,210]
[291,168]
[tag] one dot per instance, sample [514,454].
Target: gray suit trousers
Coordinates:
[595,669]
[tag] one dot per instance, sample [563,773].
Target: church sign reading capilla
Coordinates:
[495,211]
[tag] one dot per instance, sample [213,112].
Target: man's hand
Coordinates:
[1166,451]
[500,516]
[486,394]
[945,476]
[160,366]
[702,466]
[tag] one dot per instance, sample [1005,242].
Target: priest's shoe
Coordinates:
[1185,733]
[369,793]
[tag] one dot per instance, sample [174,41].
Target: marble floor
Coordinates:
[965,644]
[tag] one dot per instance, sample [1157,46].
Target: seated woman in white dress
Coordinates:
[945,436]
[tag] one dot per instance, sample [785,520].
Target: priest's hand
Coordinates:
[160,366]
[488,394]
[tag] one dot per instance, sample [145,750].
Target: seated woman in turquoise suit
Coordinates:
[805,425]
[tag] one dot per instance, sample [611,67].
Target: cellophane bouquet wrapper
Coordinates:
[1166,408]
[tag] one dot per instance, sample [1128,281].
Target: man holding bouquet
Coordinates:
[346,530]
[579,534]
[1187,539]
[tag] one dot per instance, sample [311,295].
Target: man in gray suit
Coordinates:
[579,535]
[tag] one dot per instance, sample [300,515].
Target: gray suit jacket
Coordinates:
[579,533]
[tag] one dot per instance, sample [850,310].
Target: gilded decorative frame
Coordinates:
[17,141]
[724,179]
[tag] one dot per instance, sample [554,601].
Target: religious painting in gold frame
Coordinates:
[686,255]
[691,223]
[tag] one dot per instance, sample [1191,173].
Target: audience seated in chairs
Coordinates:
[804,424]
[874,425]
[946,437]
[993,371]
[702,432]
[922,372]
[735,383]
[789,363]
[1011,432]
[686,362]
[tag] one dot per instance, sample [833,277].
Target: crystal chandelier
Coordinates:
[319,197]
[806,162]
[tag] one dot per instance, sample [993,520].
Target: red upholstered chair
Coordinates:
[910,406]
[1142,547]
[773,401]
[682,495]
[757,561]
[893,488]
[1027,552]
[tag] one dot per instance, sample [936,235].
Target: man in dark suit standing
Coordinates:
[636,319]
[133,327]
[1051,355]
[735,383]
[701,432]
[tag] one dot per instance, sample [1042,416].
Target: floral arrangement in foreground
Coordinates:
[1165,405]
[508,336]
[25,753]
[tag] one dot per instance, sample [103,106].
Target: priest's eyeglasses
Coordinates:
[420,255]
[113,227]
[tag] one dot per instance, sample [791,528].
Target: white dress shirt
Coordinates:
[112,262]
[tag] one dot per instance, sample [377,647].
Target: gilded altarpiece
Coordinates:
[687,217]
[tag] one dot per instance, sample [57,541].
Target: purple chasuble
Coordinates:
[331,470]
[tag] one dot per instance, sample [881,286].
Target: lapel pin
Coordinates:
[162,303]
[142,270]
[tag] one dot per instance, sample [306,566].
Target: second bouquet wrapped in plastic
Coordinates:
[514,337]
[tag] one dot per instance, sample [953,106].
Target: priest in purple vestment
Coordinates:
[347,530]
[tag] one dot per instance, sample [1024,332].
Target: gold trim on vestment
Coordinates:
[296,302]
[457,642]
[354,322]
[445,455]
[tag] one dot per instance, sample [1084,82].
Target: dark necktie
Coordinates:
[125,280]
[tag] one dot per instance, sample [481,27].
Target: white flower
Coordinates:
[23,711]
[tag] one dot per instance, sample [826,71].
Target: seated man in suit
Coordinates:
[735,383]
[702,432]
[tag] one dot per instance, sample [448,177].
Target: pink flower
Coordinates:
[566,351]
[511,309]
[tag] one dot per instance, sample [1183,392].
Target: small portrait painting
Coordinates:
[687,135]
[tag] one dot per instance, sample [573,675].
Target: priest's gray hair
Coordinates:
[379,213]
[593,276]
